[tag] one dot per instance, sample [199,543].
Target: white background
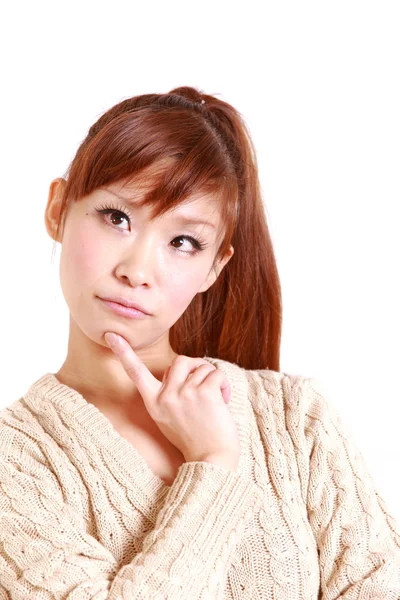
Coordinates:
[318,85]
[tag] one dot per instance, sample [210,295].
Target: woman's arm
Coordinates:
[358,540]
[45,554]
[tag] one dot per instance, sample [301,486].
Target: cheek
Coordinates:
[81,256]
[182,285]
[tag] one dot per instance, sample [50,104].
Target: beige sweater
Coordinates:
[83,517]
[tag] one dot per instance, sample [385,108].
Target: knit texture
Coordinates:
[83,517]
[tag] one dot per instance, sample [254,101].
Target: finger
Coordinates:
[221,379]
[148,385]
[197,376]
[166,372]
[182,366]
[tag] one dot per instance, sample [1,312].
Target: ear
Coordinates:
[53,209]
[216,270]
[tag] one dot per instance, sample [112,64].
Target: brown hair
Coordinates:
[202,144]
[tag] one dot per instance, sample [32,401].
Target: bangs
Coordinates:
[173,155]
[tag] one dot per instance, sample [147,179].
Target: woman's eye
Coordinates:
[194,243]
[197,245]
[119,215]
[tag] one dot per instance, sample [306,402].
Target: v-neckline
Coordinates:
[85,419]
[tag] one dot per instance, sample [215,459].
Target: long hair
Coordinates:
[198,143]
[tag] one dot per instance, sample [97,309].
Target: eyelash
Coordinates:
[198,244]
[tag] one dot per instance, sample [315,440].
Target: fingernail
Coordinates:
[111,339]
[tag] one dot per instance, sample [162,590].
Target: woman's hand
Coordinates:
[189,406]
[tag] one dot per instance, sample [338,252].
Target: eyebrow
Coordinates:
[192,221]
[180,218]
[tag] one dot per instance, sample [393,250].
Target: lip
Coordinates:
[133,311]
[126,302]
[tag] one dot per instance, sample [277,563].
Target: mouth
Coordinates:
[125,302]
[123,310]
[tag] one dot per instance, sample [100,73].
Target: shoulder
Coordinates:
[288,391]
[299,404]
[19,424]
[25,451]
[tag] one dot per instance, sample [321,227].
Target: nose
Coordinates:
[138,261]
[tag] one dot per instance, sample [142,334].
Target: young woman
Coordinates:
[169,457]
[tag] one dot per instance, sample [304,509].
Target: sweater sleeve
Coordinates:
[358,540]
[45,555]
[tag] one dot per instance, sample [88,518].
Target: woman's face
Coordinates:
[110,248]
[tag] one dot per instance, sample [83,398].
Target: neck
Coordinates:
[97,374]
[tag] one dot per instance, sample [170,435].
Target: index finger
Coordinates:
[148,385]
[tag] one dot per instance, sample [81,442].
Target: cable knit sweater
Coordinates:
[83,517]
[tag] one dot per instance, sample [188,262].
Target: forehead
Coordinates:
[199,207]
